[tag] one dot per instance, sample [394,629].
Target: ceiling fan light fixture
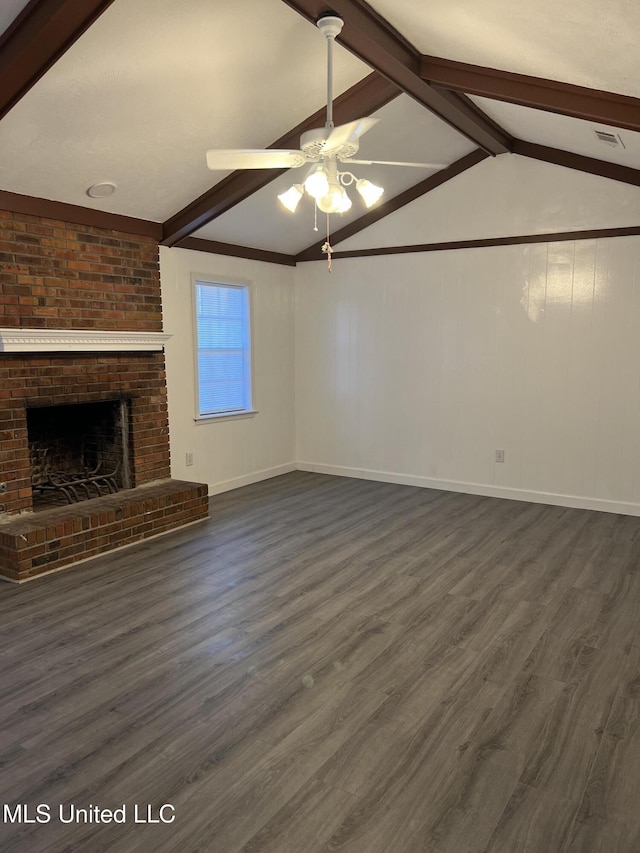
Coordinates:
[317,183]
[370,193]
[291,198]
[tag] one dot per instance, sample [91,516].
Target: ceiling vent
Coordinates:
[612,139]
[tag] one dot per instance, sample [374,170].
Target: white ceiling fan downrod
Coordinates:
[330,26]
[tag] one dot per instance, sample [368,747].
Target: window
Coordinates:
[224,348]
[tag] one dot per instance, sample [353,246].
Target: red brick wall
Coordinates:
[59,275]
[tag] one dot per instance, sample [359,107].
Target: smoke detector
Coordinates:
[101,190]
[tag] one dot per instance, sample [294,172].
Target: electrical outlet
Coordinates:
[499,455]
[3,488]
[190,458]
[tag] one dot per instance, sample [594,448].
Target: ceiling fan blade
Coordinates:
[348,160]
[346,133]
[259,158]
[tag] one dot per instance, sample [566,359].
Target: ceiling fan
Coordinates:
[326,149]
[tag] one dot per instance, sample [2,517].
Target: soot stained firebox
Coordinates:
[78,451]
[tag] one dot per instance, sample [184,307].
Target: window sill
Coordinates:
[226,416]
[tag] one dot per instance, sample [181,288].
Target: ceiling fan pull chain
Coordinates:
[327,248]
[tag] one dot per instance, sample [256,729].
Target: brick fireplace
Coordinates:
[81,325]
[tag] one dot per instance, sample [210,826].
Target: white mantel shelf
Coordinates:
[79,340]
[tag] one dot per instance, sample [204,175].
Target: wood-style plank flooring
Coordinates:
[334,665]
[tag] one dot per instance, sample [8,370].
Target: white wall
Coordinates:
[231,452]
[416,368]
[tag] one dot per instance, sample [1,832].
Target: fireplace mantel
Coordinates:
[79,340]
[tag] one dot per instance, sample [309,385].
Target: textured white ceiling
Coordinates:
[558,131]
[585,42]
[150,86]
[502,197]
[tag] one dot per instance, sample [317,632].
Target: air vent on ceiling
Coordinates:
[612,139]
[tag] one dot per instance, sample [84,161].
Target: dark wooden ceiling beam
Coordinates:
[550,95]
[216,248]
[365,97]
[38,37]
[314,252]
[44,207]
[373,40]
[488,242]
[569,160]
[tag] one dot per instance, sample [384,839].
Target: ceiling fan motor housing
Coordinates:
[313,141]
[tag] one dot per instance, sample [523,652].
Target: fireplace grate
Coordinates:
[73,486]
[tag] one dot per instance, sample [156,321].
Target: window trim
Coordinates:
[225,281]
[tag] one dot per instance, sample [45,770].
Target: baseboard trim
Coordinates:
[248,479]
[485,489]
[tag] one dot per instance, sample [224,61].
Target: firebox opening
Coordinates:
[78,451]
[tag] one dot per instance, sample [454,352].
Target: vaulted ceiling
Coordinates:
[134,93]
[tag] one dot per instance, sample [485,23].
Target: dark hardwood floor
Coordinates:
[333,665]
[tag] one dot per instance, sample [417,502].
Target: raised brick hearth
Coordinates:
[33,543]
[57,276]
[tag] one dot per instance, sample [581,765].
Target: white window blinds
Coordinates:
[224,348]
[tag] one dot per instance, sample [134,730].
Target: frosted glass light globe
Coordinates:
[333,201]
[317,184]
[370,192]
